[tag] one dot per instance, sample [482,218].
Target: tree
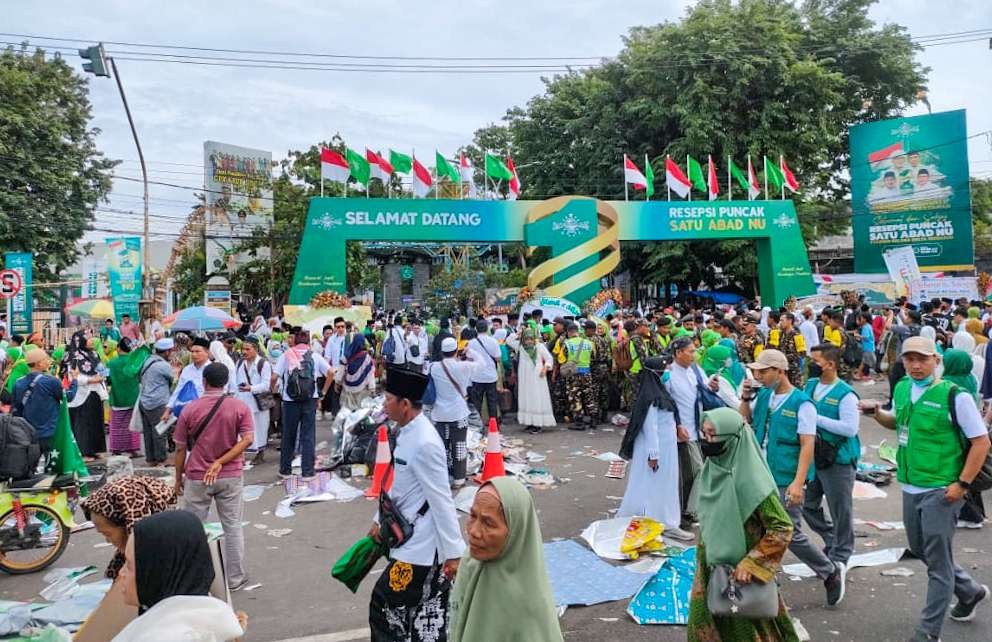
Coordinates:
[272,253]
[51,174]
[732,78]
[981,211]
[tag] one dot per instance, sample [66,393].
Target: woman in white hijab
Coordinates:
[218,354]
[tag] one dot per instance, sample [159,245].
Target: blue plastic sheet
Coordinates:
[664,599]
[579,576]
[187,394]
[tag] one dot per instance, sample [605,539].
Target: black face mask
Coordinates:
[714,448]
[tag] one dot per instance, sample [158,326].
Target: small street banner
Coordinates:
[909,187]
[124,270]
[21,304]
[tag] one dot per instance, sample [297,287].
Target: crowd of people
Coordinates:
[742,429]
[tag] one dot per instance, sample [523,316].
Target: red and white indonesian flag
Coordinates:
[465,170]
[333,166]
[712,185]
[379,167]
[885,153]
[753,187]
[676,179]
[515,185]
[422,181]
[632,175]
[790,179]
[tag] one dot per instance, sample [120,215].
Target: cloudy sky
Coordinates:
[178,106]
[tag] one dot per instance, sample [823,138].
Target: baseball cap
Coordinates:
[35,356]
[919,345]
[770,359]
[449,345]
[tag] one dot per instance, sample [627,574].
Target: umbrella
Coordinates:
[200,319]
[93,308]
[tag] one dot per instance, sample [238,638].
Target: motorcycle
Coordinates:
[36,519]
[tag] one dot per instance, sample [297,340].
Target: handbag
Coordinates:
[709,399]
[430,392]
[824,453]
[570,367]
[135,424]
[725,597]
[265,400]
[357,562]
[395,529]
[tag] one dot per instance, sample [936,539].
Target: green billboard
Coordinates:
[909,186]
[583,234]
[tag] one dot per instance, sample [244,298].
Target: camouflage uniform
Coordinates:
[746,346]
[793,347]
[602,360]
[559,395]
[580,387]
[641,350]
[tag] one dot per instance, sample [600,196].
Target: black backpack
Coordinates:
[852,350]
[301,383]
[19,449]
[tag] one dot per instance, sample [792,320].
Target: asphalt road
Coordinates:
[298,599]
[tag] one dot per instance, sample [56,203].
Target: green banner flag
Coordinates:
[358,166]
[696,175]
[124,265]
[65,456]
[649,175]
[444,168]
[740,176]
[774,175]
[402,164]
[495,168]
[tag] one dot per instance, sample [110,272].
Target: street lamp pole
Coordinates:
[144,171]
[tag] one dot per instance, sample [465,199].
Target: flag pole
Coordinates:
[781,160]
[688,172]
[625,188]
[668,187]
[765,159]
[730,187]
[648,189]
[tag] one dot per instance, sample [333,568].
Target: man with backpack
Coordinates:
[943,445]
[214,431]
[38,397]
[486,352]
[298,369]
[452,379]
[394,348]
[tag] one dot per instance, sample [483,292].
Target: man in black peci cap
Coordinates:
[415,584]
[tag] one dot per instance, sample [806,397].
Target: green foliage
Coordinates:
[454,290]
[51,174]
[273,253]
[187,277]
[730,79]
[981,211]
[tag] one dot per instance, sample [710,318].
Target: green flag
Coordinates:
[495,168]
[696,175]
[65,456]
[402,164]
[358,166]
[135,359]
[649,175]
[774,175]
[444,168]
[739,175]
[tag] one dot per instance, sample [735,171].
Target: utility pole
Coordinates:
[95,62]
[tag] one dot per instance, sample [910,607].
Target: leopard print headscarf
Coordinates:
[125,502]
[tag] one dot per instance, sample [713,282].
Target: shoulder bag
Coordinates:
[265,400]
[395,530]
[193,436]
[571,367]
[452,379]
[752,601]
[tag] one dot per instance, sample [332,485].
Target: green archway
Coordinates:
[583,233]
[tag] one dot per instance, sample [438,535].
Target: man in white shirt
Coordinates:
[452,379]
[784,422]
[936,470]
[682,386]
[413,589]
[199,357]
[397,333]
[837,423]
[415,340]
[254,377]
[485,352]
[334,356]
[809,331]
[299,403]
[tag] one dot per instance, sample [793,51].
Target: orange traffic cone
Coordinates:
[380,481]
[492,466]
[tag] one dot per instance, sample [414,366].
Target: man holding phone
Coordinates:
[943,443]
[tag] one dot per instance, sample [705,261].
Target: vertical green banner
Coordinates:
[909,187]
[124,270]
[21,305]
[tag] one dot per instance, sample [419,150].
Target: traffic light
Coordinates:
[95,60]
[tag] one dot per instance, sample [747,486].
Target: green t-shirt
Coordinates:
[123,388]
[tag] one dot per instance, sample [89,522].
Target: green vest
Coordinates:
[579,351]
[780,427]
[849,448]
[931,452]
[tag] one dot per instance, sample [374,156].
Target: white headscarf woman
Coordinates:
[218,354]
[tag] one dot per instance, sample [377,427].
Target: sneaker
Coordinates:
[458,484]
[835,584]
[972,525]
[308,478]
[965,611]
[678,533]
[283,476]
[240,585]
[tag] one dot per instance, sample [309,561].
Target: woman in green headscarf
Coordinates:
[742,524]
[718,367]
[502,590]
[736,371]
[17,367]
[534,362]
[959,370]
[707,339]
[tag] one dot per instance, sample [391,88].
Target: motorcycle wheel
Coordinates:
[54,542]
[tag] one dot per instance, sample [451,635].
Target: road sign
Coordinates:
[10,284]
